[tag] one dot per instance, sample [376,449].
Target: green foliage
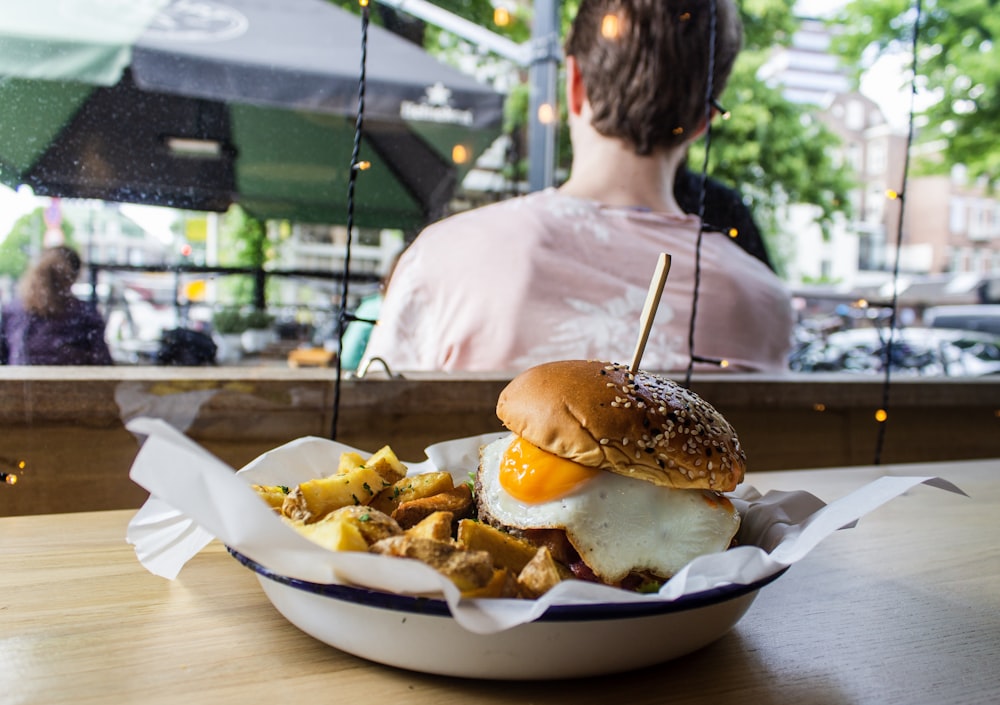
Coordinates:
[234,319]
[258,320]
[958,60]
[15,250]
[229,320]
[24,241]
[242,243]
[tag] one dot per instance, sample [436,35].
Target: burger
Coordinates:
[620,475]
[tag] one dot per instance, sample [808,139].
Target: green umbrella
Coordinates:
[200,104]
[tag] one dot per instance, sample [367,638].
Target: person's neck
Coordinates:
[607,171]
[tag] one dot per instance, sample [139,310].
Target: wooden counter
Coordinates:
[904,608]
[67,424]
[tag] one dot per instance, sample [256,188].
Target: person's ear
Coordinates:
[576,92]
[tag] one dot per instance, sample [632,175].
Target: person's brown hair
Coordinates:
[645,65]
[48,285]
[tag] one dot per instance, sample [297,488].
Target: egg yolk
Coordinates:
[533,475]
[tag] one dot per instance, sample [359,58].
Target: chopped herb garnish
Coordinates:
[284,489]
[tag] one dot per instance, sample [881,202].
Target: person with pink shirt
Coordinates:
[563,273]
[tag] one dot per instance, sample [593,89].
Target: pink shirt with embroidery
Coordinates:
[550,277]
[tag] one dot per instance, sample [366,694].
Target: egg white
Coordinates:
[618,524]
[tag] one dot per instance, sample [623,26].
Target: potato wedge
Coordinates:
[385,462]
[436,526]
[349,460]
[508,551]
[502,584]
[314,499]
[541,574]
[410,488]
[336,535]
[372,524]
[469,570]
[274,495]
[457,501]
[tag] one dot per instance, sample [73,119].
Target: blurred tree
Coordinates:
[24,242]
[242,243]
[958,63]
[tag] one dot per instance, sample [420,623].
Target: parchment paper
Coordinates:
[195,497]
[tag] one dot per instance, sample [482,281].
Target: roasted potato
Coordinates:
[541,574]
[435,526]
[508,551]
[457,501]
[350,460]
[502,584]
[410,488]
[337,535]
[314,499]
[386,464]
[274,495]
[469,570]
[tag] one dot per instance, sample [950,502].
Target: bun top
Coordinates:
[600,415]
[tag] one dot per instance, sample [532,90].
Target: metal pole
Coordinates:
[543,83]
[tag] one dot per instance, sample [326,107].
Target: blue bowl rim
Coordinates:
[556,613]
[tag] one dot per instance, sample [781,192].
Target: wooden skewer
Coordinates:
[649,308]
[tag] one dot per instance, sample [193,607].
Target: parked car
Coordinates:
[915,351]
[981,317]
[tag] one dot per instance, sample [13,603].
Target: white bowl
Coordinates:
[568,641]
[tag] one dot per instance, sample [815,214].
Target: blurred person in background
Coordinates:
[564,272]
[47,324]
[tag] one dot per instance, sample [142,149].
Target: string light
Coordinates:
[459,154]
[819,406]
[8,478]
[733,233]
[717,361]
[892,194]
[881,415]
[501,16]
[357,165]
[546,114]
[610,26]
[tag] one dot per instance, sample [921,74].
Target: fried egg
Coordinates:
[617,524]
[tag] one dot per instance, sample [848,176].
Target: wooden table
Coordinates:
[905,608]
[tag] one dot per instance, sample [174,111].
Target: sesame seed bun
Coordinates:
[643,426]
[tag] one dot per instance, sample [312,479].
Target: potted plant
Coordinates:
[258,333]
[229,324]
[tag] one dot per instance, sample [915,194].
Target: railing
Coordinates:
[260,276]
